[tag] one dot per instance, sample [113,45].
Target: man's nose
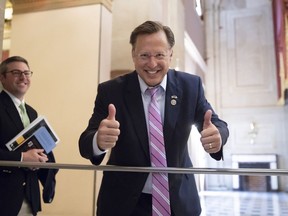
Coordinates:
[152,61]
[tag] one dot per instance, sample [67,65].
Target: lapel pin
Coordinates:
[173,100]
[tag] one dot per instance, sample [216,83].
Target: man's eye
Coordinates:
[145,55]
[160,55]
[16,72]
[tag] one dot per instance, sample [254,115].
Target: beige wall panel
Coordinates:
[62,47]
[248,58]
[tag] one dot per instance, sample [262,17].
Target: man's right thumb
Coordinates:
[111,112]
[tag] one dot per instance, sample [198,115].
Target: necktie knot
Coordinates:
[22,107]
[152,91]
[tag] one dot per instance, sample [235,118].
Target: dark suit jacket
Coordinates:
[17,182]
[119,190]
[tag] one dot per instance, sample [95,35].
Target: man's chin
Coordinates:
[152,82]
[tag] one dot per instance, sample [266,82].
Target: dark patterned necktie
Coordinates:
[160,186]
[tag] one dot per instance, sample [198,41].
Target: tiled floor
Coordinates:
[244,203]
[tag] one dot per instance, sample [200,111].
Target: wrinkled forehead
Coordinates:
[155,42]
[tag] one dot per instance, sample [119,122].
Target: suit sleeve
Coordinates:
[47,178]
[203,106]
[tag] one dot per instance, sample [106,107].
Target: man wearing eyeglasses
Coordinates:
[139,115]
[19,187]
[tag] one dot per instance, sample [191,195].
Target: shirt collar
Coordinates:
[15,100]
[144,86]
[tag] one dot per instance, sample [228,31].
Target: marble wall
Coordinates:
[243,64]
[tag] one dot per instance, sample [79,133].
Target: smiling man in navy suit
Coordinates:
[19,187]
[119,123]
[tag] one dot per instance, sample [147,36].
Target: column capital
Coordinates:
[27,6]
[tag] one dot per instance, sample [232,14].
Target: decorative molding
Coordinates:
[27,6]
[246,46]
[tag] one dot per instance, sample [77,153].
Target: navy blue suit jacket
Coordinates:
[120,191]
[17,182]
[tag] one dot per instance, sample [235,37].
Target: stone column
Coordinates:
[68,46]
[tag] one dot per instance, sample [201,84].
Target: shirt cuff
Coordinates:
[96,149]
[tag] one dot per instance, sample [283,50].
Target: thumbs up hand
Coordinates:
[108,130]
[210,136]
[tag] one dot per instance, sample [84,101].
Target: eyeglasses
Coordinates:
[147,56]
[18,73]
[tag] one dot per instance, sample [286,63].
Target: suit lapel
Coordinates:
[172,105]
[11,110]
[32,115]
[134,103]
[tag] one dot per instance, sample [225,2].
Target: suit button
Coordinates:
[24,183]
[6,171]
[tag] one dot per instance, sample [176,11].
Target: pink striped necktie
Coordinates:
[160,186]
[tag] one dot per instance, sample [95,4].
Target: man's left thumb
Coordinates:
[207,119]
